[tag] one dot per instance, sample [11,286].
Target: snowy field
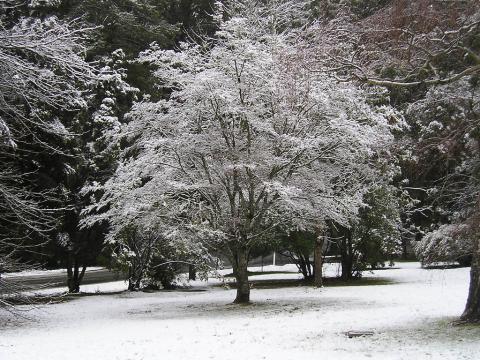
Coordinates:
[411,319]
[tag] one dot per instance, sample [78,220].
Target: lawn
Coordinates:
[409,309]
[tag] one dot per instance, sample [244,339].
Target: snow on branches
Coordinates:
[446,244]
[248,141]
[41,62]
[42,67]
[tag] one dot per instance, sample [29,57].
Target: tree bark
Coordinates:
[347,255]
[404,249]
[192,272]
[74,275]
[135,277]
[472,308]
[347,266]
[318,262]
[240,269]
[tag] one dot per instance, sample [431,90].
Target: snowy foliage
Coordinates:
[447,119]
[42,65]
[378,233]
[247,140]
[153,261]
[43,70]
[43,3]
[108,91]
[447,243]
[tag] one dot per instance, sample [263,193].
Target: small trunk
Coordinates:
[472,308]
[347,260]
[131,285]
[347,255]
[192,272]
[75,277]
[303,267]
[404,249]
[134,280]
[347,266]
[318,262]
[240,269]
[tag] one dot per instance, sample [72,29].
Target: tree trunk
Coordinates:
[472,308]
[404,249]
[302,265]
[135,277]
[318,262]
[347,266]
[131,284]
[240,269]
[74,275]
[192,272]
[347,255]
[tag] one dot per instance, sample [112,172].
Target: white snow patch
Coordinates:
[410,319]
[41,272]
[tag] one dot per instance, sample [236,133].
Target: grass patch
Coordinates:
[465,324]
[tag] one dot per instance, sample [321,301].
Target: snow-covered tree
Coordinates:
[248,141]
[91,157]
[42,67]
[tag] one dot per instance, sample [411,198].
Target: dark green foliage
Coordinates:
[375,238]
[124,24]
[378,232]
[298,246]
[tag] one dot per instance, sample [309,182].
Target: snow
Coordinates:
[411,319]
[28,273]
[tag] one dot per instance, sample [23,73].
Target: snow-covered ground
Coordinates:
[411,319]
[29,273]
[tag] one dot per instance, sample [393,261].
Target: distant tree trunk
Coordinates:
[303,263]
[167,285]
[472,308]
[318,262]
[404,249]
[346,250]
[347,268]
[192,272]
[304,266]
[135,277]
[240,270]
[74,274]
